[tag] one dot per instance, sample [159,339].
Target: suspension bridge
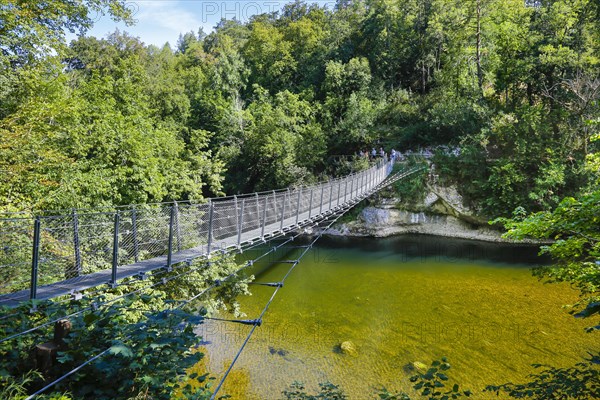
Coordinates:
[64,256]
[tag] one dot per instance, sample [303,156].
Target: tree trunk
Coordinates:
[478,51]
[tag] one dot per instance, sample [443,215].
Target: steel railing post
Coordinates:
[257,210]
[298,204]
[237,217]
[339,191]
[283,209]
[330,196]
[210,226]
[362,183]
[171,226]
[176,225]
[264,217]
[310,202]
[241,223]
[136,245]
[352,187]
[76,245]
[345,189]
[321,202]
[35,258]
[275,205]
[115,255]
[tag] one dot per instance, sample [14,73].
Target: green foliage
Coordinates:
[30,30]
[573,227]
[411,190]
[577,382]
[111,121]
[16,387]
[432,382]
[384,394]
[150,338]
[281,140]
[327,391]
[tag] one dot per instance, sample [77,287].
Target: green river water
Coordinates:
[398,300]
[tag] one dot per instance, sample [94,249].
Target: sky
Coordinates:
[161,21]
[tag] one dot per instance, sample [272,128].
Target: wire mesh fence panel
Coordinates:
[251,214]
[224,224]
[305,200]
[290,205]
[292,197]
[95,241]
[302,206]
[326,195]
[202,224]
[273,213]
[129,249]
[297,201]
[57,260]
[280,208]
[285,212]
[16,243]
[337,191]
[360,183]
[346,190]
[153,231]
[190,220]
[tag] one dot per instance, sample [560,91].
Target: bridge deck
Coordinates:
[224,236]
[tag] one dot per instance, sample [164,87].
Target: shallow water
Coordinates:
[399,300]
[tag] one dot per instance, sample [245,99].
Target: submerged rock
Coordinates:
[349,348]
[420,367]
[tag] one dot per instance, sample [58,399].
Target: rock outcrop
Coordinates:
[442,212]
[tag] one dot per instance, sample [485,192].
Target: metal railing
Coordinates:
[63,249]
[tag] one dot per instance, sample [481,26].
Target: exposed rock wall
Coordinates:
[442,213]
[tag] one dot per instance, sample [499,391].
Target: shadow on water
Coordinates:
[404,249]
[428,247]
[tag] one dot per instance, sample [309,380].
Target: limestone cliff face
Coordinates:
[442,212]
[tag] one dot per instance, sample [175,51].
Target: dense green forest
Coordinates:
[268,103]
[264,104]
